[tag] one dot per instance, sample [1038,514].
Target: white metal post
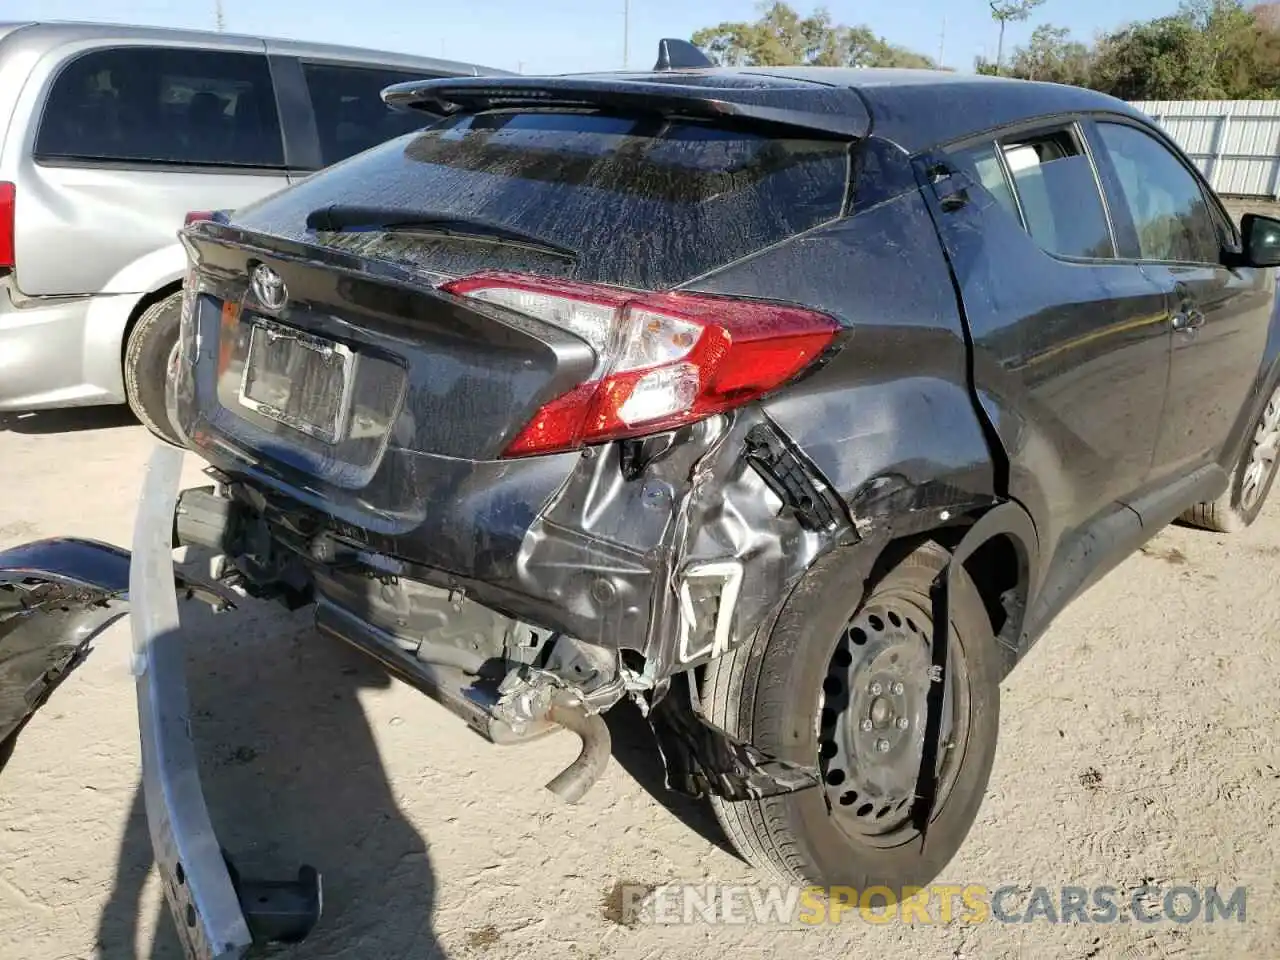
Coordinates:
[1220,149]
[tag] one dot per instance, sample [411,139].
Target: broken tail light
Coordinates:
[663,359]
[8,196]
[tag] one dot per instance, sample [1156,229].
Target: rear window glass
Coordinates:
[161,105]
[642,202]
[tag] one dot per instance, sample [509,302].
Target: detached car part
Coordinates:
[55,597]
[217,913]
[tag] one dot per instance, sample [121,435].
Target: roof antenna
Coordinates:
[680,55]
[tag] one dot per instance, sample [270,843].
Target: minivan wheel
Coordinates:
[1251,480]
[146,361]
[843,688]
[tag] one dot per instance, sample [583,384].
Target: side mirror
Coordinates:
[1261,240]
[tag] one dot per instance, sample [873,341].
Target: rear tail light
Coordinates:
[663,359]
[8,196]
[195,216]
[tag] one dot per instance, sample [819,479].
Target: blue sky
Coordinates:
[553,36]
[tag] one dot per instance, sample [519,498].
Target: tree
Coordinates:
[1004,11]
[1052,56]
[781,37]
[1162,59]
[1241,48]
[885,54]
[1267,16]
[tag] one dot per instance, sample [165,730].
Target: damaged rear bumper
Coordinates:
[55,597]
[217,913]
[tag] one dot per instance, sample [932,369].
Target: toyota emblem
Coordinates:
[269,288]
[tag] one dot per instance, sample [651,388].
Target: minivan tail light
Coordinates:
[663,360]
[195,216]
[8,197]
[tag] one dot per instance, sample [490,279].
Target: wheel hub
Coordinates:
[871,729]
[1262,454]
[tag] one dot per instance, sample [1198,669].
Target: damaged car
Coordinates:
[792,404]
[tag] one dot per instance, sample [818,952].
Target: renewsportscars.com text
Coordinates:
[938,903]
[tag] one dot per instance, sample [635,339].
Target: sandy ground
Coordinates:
[1139,745]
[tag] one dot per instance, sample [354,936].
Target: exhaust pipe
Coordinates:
[476,701]
[572,783]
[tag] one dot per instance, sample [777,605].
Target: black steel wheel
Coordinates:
[841,682]
[871,725]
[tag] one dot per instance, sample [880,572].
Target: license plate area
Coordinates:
[297,379]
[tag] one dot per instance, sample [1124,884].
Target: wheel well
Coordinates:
[998,569]
[142,306]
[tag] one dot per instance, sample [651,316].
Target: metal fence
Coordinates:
[1236,143]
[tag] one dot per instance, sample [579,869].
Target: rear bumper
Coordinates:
[57,596]
[205,895]
[62,593]
[677,562]
[61,351]
[197,883]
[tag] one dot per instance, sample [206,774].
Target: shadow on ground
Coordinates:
[68,421]
[636,751]
[292,775]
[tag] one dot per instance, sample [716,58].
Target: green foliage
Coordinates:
[1015,10]
[1210,49]
[1052,56]
[781,37]
[1164,59]
[1005,12]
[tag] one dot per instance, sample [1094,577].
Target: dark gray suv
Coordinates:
[791,404]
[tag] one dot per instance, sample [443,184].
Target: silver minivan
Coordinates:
[112,135]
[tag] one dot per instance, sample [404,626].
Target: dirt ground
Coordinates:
[1138,745]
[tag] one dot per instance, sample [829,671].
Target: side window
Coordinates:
[983,165]
[350,114]
[1172,219]
[1048,182]
[156,105]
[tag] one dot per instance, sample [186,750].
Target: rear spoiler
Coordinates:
[758,99]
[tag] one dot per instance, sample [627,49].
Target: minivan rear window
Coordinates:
[160,105]
[350,114]
[641,201]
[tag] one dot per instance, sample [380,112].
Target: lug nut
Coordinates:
[897,689]
[903,723]
[882,746]
[866,725]
[876,689]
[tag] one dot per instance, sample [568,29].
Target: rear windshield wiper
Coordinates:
[344,218]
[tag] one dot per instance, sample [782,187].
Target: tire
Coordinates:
[771,692]
[146,362]
[1251,478]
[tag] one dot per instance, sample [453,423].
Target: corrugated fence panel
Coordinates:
[1235,142]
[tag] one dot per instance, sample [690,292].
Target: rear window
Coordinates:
[642,202]
[160,105]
